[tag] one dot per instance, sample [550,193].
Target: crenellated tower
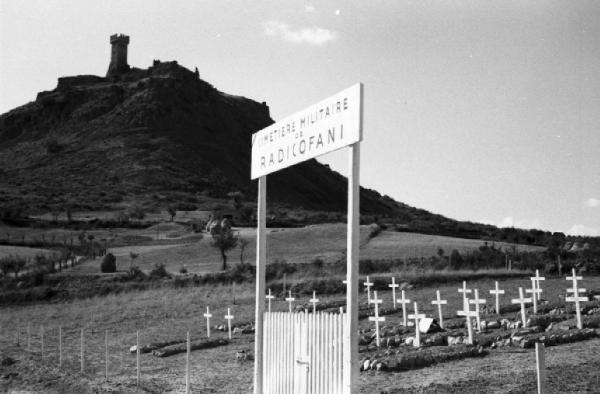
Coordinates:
[118,54]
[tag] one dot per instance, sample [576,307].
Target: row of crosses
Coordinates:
[372,298]
[228,317]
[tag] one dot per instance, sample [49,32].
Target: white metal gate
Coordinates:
[303,353]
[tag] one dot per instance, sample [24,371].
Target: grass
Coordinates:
[163,314]
[28,253]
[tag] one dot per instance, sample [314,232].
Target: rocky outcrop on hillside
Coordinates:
[156,135]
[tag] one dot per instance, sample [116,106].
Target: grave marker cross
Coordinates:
[537,279]
[394,285]
[229,316]
[269,297]
[404,301]
[314,301]
[439,302]
[522,300]
[477,301]
[534,293]
[368,285]
[290,299]
[208,315]
[464,291]
[417,316]
[497,293]
[468,314]
[576,298]
[376,318]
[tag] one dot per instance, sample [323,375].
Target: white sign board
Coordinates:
[321,128]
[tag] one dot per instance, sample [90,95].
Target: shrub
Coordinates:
[183,270]
[159,271]
[109,263]
[135,273]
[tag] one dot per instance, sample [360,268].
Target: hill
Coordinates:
[160,137]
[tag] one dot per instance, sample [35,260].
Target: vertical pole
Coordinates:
[284,281]
[351,333]
[137,355]
[106,354]
[28,337]
[540,362]
[59,347]
[261,260]
[187,365]
[42,340]
[82,358]
[18,336]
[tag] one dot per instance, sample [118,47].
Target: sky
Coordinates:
[480,111]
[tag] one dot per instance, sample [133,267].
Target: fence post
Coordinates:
[28,337]
[18,337]
[106,354]
[42,340]
[540,363]
[82,353]
[59,347]
[187,365]
[137,351]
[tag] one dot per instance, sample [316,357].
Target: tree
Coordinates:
[91,239]
[6,265]
[132,256]
[172,212]
[18,265]
[243,243]
[224,239]
[237,198]
[109,264]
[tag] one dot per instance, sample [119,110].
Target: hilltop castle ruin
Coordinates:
[118,54]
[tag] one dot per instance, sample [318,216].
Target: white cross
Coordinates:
[208,315]
[468,314]
[376,318]
[576,298]
[477,301]
[534,293]
[345,282]
[368,285]
[394,285]
[290,299]
[403,301]
[229,316]
[464,291]
[269,297]
[417,317]
[314,301]
[521,300]
[537,279]
[497,293]
[439,303]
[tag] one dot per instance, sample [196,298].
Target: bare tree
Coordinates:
[224,239]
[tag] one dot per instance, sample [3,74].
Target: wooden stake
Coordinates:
[261,261]
[106,354]
[59,347]
[82,354]
[137,351]
[540,364]
[42,340]
[376,318]
[187,365]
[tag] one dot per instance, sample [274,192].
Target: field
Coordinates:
[166,314]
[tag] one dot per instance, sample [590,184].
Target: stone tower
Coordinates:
[118,54]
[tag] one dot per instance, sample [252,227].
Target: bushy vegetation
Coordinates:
[109,264]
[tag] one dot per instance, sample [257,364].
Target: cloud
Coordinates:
[592,202]
[580,229]
[309,8]
[308,35]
